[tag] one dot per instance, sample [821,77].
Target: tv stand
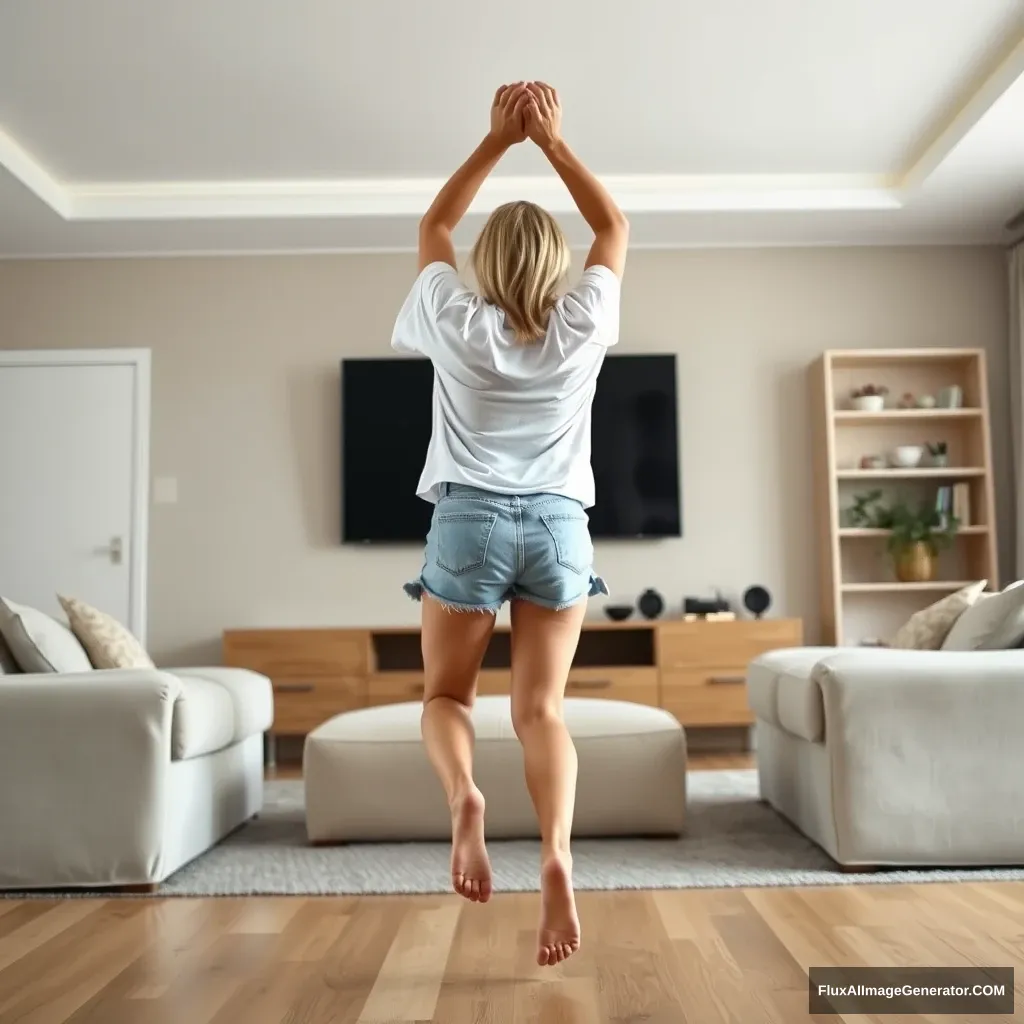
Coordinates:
[695,670]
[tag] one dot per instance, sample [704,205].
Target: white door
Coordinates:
[74,434]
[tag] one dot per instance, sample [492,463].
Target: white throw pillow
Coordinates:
[927,629]
[40,643]
[108,643]
[995,622]
[8,666]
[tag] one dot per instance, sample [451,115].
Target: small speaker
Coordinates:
[757,601]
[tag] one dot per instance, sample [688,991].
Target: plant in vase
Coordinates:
[939,452]
[865,512]
[869,398]
[918,534]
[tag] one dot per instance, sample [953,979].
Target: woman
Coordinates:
[508,468]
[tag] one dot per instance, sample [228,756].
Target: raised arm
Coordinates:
[452,202]
[599,210]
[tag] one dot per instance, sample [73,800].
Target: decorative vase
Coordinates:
[650,604]
[915,563]
[940,460]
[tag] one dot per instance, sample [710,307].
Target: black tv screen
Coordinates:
[385,424]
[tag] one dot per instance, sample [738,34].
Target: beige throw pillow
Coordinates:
[8,664]
[110,645]
[927,629]
[994,624]
[40,643]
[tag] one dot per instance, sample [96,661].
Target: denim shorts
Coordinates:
[484,549]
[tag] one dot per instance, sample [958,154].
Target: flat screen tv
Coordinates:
[385,425]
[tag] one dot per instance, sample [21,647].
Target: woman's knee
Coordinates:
[531,712]
[439,698]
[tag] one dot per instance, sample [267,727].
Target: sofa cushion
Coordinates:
[108,643]
[995,622]
[40,643]
[251,695]
[203,720]
[765,672]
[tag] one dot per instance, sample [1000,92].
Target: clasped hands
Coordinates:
[526,110]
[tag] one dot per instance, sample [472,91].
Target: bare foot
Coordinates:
[471,868]
[559,934]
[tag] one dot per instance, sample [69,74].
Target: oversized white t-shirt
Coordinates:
[507,417]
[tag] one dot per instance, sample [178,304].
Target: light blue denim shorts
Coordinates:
[484,549]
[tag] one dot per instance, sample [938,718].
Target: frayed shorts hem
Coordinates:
[417,588]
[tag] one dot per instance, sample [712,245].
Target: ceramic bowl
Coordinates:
[869,403]
[618,612]
[907,456]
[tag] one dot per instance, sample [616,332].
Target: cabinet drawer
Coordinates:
[300,706]
[636,685]
[685,645]
[707,697]
[639,685]
[394,688]
[298,653]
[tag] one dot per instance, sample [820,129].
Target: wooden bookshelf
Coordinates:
[861,598]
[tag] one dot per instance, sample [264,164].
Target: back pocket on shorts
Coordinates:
[461,540]
[570,533]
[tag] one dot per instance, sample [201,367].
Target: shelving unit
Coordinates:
[860,597]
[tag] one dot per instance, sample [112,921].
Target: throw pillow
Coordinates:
[927,629]
[993,624]
[40,643]
[8,666]
[108,643]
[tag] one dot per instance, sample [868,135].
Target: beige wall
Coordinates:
[245,411]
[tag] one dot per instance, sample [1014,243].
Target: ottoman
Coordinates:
[367,775]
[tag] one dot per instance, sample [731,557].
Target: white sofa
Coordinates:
[895,757]
[118,778]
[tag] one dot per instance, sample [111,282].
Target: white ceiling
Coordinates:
[236,125]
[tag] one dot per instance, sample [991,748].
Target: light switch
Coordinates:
[165,490]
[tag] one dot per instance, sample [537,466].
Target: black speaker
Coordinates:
[757,600]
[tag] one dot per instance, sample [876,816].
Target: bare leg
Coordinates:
[543,645]
[453,648]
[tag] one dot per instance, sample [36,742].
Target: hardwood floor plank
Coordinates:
[700,956]
[481,982]
[69,978]
[40,924]
[634,960]
[352,964]
[409,981]
[267,915]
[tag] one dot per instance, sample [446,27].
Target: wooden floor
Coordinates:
[701,956]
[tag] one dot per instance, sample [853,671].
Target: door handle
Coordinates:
[589,684]
[726,680]
[114,550]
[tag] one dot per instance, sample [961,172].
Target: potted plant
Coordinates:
[869,398]
[939,453]
[918,534]
[865,512]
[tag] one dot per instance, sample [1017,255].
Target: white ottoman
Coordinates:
[368,778]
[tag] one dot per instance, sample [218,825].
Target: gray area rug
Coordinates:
[731,840]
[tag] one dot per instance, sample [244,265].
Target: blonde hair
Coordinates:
[519,260]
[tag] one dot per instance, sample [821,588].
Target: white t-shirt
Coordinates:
[507,417]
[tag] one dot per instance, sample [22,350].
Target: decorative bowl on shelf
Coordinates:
[907,456]
[868,403]
[618,612]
